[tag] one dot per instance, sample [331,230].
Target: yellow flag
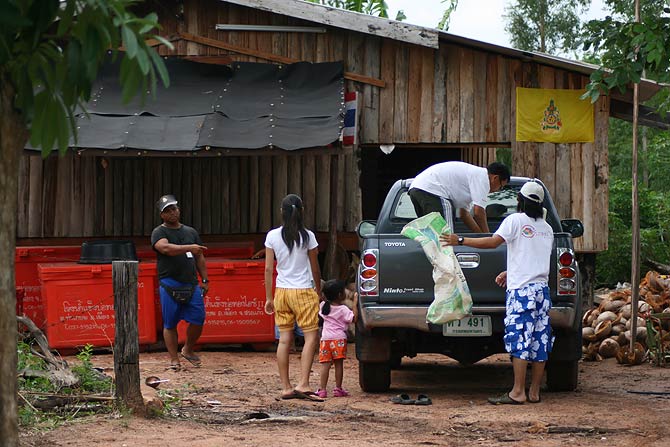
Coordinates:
[553,116]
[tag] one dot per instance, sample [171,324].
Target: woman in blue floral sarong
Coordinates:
[528,335]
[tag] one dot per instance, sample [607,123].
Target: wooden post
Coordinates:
[126,344]
[330,269]
[635,261]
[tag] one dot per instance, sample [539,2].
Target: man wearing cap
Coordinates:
[528,335]
[465,185]
[180,259]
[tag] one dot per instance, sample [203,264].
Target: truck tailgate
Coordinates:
[405,274]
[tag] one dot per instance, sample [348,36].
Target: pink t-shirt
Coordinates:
[335,323]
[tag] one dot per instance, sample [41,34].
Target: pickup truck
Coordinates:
[395,288]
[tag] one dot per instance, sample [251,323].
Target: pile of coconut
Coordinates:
[607,328]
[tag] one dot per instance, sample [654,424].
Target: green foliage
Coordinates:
[543,25]
[446,15]
[91,381]
[379,8]
[614,265]
[654,163]
[628,49]
[51,51]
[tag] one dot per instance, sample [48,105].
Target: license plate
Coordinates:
[473,326]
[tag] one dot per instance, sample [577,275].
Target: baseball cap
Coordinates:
[165,201]
[533,191]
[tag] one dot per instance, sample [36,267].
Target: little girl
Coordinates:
[295,301]
[333,347]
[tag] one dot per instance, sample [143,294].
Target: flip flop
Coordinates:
[403,399]
[307,395]
[192,359]
[173,367]
[504,400]
[422,399]
[291,395]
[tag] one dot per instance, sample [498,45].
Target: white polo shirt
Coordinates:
[462,183]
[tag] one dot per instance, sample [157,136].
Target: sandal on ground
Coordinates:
[422,399]
[192,359]
[173,367]
[402,399]
[340,392]
[504,399]
[322,393]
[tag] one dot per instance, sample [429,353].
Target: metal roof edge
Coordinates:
[349,20]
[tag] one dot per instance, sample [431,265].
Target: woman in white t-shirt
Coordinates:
[528,338]
[295,299]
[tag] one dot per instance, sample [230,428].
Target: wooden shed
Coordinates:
[432,95]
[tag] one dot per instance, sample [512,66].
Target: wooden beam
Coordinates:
[348,20]
[215,60]
[270,56]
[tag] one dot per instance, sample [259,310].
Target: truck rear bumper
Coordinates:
[415,317]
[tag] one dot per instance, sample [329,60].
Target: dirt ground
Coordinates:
[228,400]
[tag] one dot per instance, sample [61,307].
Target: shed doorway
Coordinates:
[379,171]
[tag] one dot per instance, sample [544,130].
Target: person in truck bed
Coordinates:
[465,185]
[528,337]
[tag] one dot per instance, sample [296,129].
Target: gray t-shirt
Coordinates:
[181,267]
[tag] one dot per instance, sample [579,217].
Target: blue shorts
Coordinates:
[527,329]
[193,312]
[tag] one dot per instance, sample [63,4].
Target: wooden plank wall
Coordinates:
[453,95]
[87,196]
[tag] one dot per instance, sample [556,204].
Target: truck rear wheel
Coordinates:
[562,375]
[374,377]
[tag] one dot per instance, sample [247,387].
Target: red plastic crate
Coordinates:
[28,286]
[229,250]
[79,304]
[235,304]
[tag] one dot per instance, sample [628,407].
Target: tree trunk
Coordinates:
[13,136]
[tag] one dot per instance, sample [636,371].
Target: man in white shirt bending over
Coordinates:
[465,185]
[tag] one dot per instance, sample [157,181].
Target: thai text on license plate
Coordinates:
[473,326]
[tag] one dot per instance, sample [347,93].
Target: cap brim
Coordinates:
[168,204]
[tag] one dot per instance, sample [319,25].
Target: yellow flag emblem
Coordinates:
[553,116]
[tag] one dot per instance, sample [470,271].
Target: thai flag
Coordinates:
[349,130]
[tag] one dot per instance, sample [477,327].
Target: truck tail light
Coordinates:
[566,258]
[368,273]
[567,271]
[369,259]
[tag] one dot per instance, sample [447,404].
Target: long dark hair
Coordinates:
[530,207]
[293,230]
[332,290]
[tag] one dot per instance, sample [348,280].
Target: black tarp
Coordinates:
[241,106]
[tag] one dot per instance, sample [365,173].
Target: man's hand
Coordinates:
[501,279]
[480,218]
[197,249]
[205,288]
[449,239]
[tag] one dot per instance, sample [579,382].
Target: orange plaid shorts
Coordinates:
[330,350]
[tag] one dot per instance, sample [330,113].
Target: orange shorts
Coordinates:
[330,350]
[299,306]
